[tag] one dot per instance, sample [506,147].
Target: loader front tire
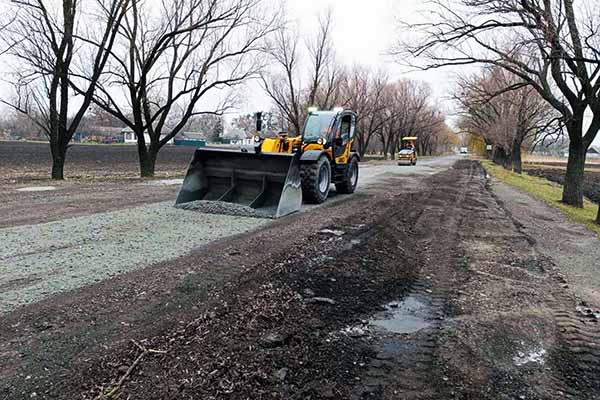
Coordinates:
[348,185]
[316,181]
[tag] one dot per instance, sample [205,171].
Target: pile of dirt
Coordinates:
[591,185]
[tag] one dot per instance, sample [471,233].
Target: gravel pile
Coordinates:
[37,261]
[224,208]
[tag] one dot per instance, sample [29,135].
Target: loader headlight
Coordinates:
[256,139]
[321,141]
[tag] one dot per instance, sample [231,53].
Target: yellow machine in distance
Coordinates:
[275,174]
[408,153]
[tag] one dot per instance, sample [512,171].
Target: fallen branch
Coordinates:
[139,358]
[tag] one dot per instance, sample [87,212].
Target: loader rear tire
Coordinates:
[348,186]
[316,181]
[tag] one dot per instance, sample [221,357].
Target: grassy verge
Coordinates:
[546,191]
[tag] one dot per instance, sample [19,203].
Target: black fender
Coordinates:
[311,156]
[354,154]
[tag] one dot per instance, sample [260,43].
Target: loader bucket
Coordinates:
[266,182]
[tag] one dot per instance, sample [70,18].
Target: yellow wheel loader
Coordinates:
[274,175]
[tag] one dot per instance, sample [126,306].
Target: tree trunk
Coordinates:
[573,189]
[494,154]
[598,217]
[58,167]
[517,162]
[59,154]
[507,163]
[501,157]
[147,163]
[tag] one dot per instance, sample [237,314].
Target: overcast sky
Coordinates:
[363,33]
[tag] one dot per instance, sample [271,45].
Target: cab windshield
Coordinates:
[318,125]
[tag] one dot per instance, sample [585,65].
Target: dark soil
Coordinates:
[591,185]
[25,162]
[98,178]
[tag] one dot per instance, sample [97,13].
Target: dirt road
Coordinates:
[419,287]
[39,260]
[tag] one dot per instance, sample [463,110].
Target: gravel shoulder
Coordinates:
[74,198]
[37,261]
[571,246]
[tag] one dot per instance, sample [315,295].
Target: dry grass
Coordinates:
[547,191]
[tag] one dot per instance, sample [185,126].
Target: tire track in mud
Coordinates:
[576,362]
[579,337]
[404,362]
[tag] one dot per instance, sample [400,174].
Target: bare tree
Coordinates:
[285,83]
[364,91]
[408,114]
[561,45]
[284,87]
[167,64]
[322,57]
[49,39]
[506,111]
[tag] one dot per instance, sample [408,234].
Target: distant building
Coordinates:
[130,137]
[195,139]
[98,134]
[594,152]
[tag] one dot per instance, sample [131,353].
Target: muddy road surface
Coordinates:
[421,286]
[41,259]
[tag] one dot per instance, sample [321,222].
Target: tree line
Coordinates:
[506,113]
[158,68]
[550,47]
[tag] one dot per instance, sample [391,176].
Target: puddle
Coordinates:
[164,182]
[333,232]
[407,316]
[37,189]
[588,312]
[537,356]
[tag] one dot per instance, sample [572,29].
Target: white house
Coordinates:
[130,137]
[594,152]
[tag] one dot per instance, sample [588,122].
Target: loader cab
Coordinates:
[335,128]
[344,133]
[318,127]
